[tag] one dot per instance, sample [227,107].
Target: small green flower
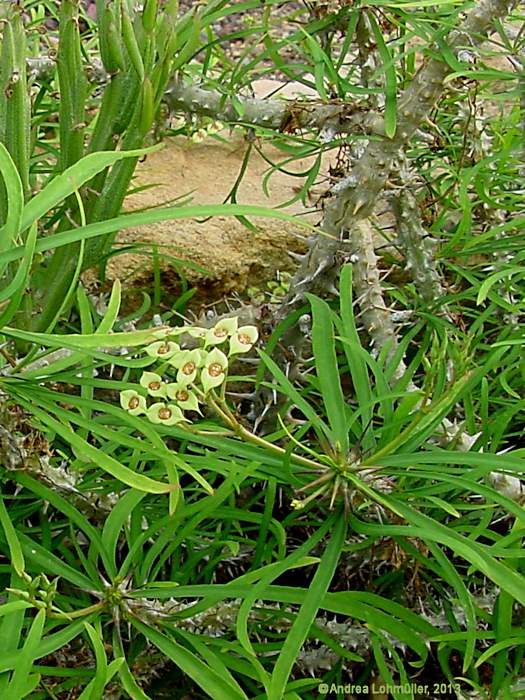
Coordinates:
[162,349]
[199,136]
[161,332]
[196,331]
[153,383]
[187,362]
[184,397]
[243,339]
[221,331]
[215,368]
[132,402]
[166,414]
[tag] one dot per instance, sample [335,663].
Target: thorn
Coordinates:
[358,205]
[322,265]
[260,417]
[299,257]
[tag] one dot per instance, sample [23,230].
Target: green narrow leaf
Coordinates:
[112,310]
[287,388]
[356,363]
[113,667]
[72,180]
[191,46]
[149,15]
[308,611]
[259,588]
[17,288]
[84,311]
[47,562]
[127,679]
[476,554]
[73,87]
[464,597]
[98,458]
[69,510]
[100,228]
[502,622]
[44,646]
[503,619]
[13,606]
[101,662]
[383,667]
[86,326]
[491,280]
[444,505]
[130,41]
[206,678]
[322,65]
[17,687]
[500,646]
[404,680]
[11,625]
[15,107]
[390,114]
[216,659]
[115,521]
[15,201]
[15,550]
[323,342]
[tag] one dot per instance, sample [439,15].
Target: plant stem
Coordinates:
[79,613]
[226,415]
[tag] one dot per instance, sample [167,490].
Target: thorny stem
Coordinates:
[355,201]
[286,115]
[345,233]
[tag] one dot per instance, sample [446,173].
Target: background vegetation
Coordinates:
[341,505]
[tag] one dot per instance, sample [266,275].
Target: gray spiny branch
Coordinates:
[375,315]
[287,115]
[356,200]
[417,246]
[18,453]
[377,320]
[368,54]
[281,114]
[219,620]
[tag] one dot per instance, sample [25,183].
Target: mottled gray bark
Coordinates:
[346,236]
[356,200]
[287,115]
[418,246]
[18,453]
[281,114]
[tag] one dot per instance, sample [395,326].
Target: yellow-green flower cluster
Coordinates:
[184,377]
[201,134]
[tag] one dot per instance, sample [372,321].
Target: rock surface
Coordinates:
[219,255]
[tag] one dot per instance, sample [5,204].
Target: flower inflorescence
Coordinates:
[185,377]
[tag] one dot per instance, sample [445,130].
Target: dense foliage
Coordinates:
[318,493]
